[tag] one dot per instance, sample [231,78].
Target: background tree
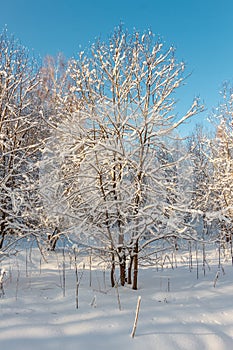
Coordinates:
[57,102]
[19,127]
[222,162]
[202,196]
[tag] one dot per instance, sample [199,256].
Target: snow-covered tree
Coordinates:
[57,101]
[116,166]
[19,128]
[221,147]
[202,196]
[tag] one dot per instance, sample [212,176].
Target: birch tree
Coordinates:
[115,177]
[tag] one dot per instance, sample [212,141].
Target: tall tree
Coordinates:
[202,196]
[19,127]
[222,161]
[115,177]
[57,102]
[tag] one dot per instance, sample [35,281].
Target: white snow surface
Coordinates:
[178,311]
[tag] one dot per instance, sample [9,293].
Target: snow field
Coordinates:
[178,311]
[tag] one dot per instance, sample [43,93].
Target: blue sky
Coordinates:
[201,31]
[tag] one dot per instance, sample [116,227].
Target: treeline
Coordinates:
[90,149]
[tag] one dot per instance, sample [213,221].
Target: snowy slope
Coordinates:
[178,311]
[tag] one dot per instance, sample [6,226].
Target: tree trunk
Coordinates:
[135,272]
[129,277]
[2,239]
[122,269]
[122,273]
[2,233]
[113,282]
[53,238]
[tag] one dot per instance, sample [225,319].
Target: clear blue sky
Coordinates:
[201,30]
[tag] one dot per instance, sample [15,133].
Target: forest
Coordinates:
[91,158]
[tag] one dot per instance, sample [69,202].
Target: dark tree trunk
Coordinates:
[113,282]
[122,273]
[53,238]
[2,233]
[129,277]
[135,266]
[2,239]
[122,268]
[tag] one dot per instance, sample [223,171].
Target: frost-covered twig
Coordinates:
[136,317]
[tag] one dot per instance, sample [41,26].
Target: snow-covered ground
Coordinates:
[178,311]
